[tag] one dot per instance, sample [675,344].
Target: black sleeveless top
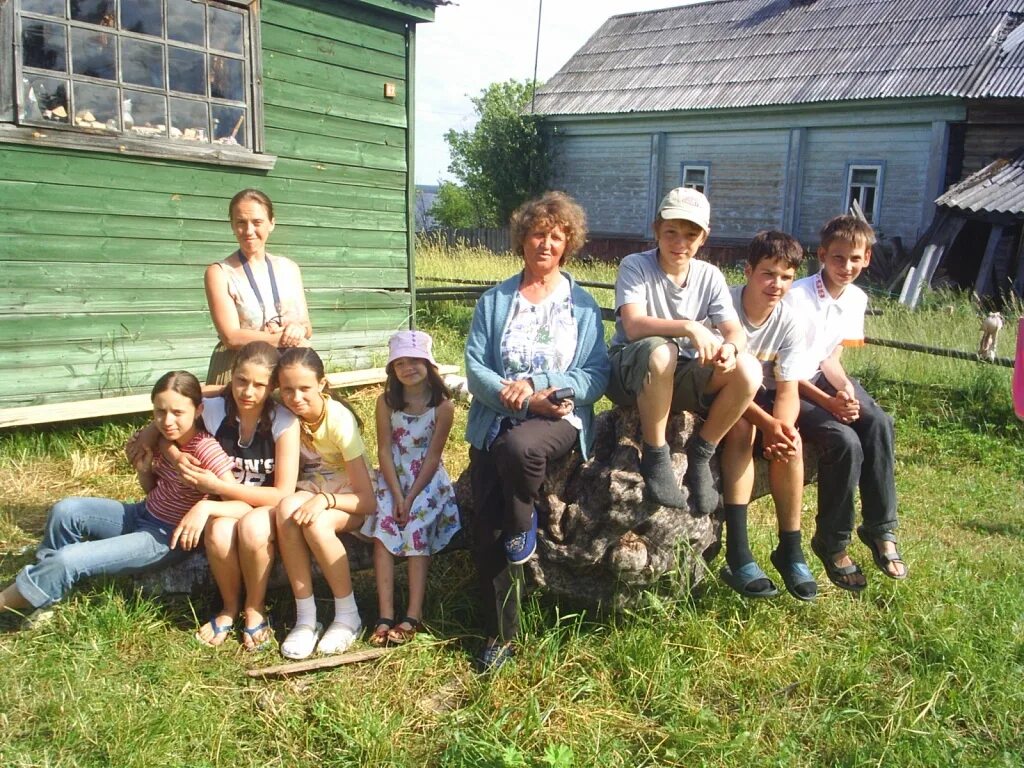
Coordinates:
[254,462]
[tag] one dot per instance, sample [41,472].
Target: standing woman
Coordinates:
[252,295]
[534,334]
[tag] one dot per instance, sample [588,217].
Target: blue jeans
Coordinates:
[86,537]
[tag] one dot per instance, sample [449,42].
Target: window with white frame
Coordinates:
[696,176]
[173,72]
[863,185]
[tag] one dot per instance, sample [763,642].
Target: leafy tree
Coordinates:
[453,207]
[503,160]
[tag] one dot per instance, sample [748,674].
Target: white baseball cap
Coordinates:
[688,204]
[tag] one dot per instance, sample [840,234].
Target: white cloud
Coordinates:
[479,42]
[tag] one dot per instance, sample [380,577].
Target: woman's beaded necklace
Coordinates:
[310,429]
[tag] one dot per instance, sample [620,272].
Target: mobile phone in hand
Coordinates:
[561,395]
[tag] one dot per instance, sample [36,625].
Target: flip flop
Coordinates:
[882,559]
[218,631]
[745,575]
[255,645]
[836,573]
[400,636]
[794,575]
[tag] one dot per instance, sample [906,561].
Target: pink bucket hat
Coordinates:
[411,344]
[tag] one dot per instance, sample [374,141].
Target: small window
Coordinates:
[864,185]
[178,72]
[697,176]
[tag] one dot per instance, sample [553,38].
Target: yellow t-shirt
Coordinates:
[326,450]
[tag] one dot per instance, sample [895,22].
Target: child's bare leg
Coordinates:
[292,544]
[384,573]
[654,403]
[329,551]
[256,557]
[418,567]
[733,390]
[222,555]
[12,600]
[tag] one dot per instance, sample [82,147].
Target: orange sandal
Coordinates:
[400,635]
[380,635]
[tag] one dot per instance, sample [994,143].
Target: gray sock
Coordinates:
[660,484]
[703,493]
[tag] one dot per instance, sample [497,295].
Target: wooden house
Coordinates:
[125,128]
[786,111]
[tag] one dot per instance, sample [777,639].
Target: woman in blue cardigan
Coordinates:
[536,363]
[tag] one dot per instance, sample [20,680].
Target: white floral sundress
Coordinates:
[434,517]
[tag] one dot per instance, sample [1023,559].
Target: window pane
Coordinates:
[44,45]
[49,7]
[96,107]
[185,21]
[186,70]
[142,63]
[144,17]
[868,203]
[145,114]
[864,176]
[189,120]
[93,54]
[47,99]
[226,81]
[229,125]
[694,176]
[225,30]
[94,11]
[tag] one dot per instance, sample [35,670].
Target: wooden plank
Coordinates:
[322,125]
[295,168]
[334,52]
[305,146]
[308,99]
[331,78]
[118,406]
[340,23]
[313,665]
[983,285]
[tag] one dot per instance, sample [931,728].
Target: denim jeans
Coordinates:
[860,454]
[87,536]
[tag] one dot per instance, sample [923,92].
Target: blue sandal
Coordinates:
[744,576]
[218,631]
[795,575]
[255,645]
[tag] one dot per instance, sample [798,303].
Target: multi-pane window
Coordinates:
[863,184]
[173,70]
[696,176]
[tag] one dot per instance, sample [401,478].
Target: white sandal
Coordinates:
[301,641]
[338,638]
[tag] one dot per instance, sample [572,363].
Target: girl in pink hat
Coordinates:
[416,512]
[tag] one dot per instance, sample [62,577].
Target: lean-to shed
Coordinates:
[786,111]
[125,128]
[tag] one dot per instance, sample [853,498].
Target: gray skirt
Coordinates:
[221,361]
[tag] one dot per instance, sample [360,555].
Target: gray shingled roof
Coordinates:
[741,53]
[996,188]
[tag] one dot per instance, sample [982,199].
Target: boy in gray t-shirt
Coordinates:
[665,359]
[775,338]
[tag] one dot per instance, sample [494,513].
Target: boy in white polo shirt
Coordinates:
[852,433]
[665,359]
[775,338]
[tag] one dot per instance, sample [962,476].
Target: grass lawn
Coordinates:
[926,672]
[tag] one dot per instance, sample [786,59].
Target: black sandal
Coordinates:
[883,559]
[379,637]
[838,574]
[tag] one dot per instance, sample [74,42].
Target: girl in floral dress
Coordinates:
[416,511]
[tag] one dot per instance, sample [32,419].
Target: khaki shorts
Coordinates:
[630,371]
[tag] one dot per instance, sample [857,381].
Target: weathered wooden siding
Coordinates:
[609,174]
[102,256]
[748,170]
[994,129]
[769,166]
[904,150]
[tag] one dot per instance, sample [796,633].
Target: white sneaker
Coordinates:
[338,638]
[301,641]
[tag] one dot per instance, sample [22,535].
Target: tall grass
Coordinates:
[920,673]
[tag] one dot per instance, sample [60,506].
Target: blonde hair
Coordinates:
[848,228]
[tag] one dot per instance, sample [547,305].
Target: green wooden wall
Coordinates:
[102,256]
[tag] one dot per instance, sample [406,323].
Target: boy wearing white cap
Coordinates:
[664,357]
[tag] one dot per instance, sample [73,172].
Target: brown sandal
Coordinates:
[379,637]
[400,635]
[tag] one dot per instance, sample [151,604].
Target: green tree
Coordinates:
[503,160]
[453,207]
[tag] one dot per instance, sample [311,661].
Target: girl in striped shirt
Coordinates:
[87,536]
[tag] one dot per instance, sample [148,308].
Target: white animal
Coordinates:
[990,327]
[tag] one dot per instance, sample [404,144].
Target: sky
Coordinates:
[474,43]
